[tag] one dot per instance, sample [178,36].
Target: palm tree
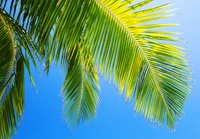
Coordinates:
[117,38]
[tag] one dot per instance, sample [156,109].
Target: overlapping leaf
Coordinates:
[62,21]
[122,41]
[13,40]
[22,40]
[7,54]
[12,102]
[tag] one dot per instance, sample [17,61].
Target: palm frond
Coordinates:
[80,90]
[22,40]
[65,18]
[12,103]
[122,41]
[14,40]
[7,55]
[134,53]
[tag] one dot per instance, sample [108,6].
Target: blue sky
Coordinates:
[115,118]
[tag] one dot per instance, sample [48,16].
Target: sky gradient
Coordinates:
[115,118]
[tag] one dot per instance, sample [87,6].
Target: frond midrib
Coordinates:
[140,49]
[81,93]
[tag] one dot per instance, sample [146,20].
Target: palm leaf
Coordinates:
[122,41]
[80,90]
[23,40]
[133,52]
[7,54]
[41,18]
[13,40]
[12,103]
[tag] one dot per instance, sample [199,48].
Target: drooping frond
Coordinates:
[80,89]
[13,39]
[136,54]
[7,55]
[123,42]
[22,40]
[12,103]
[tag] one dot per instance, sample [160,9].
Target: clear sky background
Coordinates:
[115,118]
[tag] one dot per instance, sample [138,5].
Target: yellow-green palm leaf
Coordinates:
[123,41]
[133,52]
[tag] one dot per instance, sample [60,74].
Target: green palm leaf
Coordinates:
[132,51]
[80,90]
[22,40]
[13,39]
[12,103]
[7,54]
[121,41]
